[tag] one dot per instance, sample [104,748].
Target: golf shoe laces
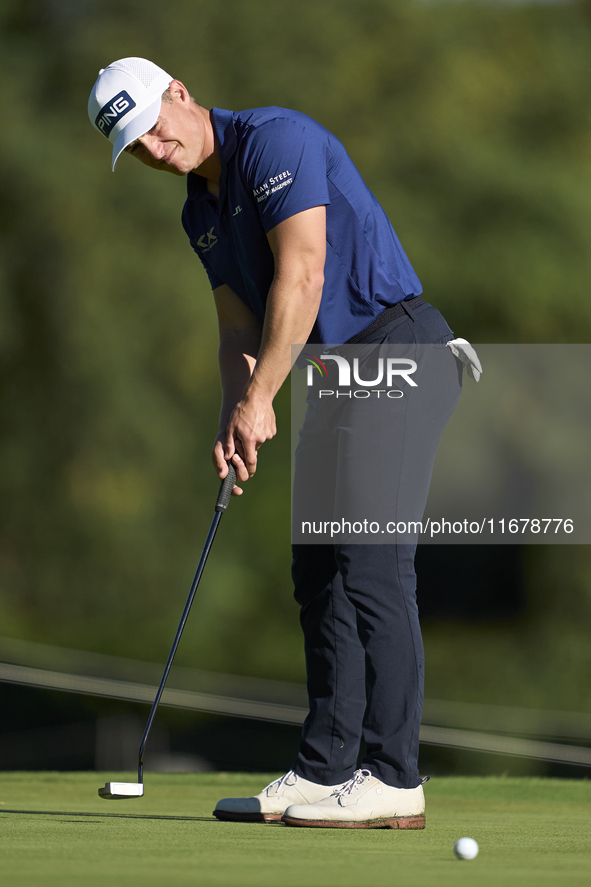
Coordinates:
[288,779]
[358,778]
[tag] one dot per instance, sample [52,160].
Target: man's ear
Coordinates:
[179,91]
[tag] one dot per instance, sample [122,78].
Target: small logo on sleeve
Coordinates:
[207,241]
[273,184]
[111,113]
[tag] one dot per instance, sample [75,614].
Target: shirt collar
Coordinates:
[225,131]
[223,123]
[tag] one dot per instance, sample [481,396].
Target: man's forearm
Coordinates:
[291,312]
[237,359]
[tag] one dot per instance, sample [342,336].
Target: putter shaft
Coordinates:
[221,505]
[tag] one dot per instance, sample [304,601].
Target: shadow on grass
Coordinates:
[112,815]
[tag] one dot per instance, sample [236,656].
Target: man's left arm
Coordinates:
[299,249]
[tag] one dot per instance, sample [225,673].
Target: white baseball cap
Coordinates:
[125,101]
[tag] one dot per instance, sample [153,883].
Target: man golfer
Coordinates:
[298,250]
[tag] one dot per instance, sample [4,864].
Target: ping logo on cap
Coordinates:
[113,111]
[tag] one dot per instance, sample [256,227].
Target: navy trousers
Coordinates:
[359,614]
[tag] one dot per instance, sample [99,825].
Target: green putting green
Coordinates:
[57,832]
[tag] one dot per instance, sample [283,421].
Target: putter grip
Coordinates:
[226,489]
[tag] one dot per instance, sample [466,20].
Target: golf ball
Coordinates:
[466,848]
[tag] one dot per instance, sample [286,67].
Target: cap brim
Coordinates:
[137,127]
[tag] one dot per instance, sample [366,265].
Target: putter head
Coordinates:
[120,791]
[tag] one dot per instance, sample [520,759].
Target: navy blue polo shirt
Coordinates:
[276,163]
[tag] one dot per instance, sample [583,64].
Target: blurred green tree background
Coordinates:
[471,123]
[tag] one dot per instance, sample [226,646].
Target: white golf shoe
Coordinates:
[363,802]
[270,804]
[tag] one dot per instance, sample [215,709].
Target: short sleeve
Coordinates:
[214,280]
[286,170]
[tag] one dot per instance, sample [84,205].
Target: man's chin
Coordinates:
[173,170]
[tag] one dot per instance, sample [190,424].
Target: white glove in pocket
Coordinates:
[462,349]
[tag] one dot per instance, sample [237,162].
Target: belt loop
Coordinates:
[408,310]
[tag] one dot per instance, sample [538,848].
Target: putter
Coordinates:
[119,791]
